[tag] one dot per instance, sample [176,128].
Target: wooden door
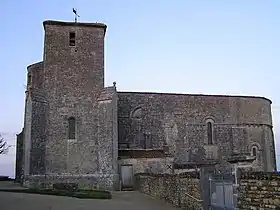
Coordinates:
[127,176]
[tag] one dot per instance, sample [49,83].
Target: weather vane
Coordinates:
[76,14]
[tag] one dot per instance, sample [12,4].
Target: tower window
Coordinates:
[72,37]
[254,151]
[71,128]
[210,133]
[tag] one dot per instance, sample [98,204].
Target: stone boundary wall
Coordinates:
[259,190]
[181,190]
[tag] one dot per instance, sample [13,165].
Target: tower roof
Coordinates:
[80,24]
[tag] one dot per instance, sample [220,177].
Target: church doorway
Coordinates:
[126,177]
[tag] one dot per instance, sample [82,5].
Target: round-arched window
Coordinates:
[71,128]
[136,113]
[254,151]
[210,131]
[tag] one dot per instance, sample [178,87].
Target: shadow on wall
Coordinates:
[278,162]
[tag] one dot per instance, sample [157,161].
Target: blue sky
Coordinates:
[198,46]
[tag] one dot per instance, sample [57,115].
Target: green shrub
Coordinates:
[66,186]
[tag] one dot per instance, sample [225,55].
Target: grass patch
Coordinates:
[83,194]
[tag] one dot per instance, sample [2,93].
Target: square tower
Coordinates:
[74,55]
[80,114]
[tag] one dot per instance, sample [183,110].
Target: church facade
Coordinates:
[79,131]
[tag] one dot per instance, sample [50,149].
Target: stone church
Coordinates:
[76,130]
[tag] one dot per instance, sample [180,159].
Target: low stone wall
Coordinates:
[259,190]
[181,190]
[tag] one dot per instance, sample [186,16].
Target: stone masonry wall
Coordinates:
[103,174]
[74,81]
[69,84]
[27,135]
[152,120]
[259,190]
[149,165]
[181,190]
[19,157]
[35,75]
[38,137]
[34,122]
[102,182]
[106,147]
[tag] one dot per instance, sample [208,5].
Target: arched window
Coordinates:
[136,113]
[254,151]
[210,132]
[71,128]
[72,36]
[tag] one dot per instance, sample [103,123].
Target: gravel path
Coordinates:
[120,201]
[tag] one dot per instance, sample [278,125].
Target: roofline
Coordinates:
[184,94]
[62,23]
[34,64]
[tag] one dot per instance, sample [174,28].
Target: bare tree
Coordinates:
[3,146]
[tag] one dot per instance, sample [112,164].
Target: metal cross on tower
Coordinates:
[76,14]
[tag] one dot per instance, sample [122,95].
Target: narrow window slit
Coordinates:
[72,37]
[71,128]
[254,151]
[210,133]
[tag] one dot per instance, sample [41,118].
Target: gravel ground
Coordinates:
[120,201]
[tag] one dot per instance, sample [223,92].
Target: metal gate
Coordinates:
[127,177]
[221,191]
[217,190]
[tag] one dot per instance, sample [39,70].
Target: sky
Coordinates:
[181,46]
